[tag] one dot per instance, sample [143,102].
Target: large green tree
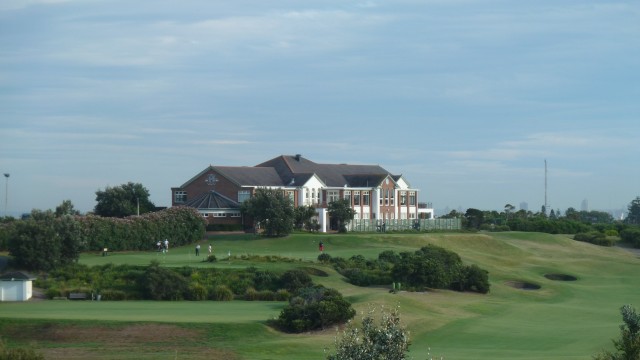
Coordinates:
[272,210]
[123,200]
[634,212]
[341,211]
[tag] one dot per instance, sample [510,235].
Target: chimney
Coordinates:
[298,156]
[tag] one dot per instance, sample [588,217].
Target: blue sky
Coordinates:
[465,98]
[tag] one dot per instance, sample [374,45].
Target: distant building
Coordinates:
[373,192]
[584,206]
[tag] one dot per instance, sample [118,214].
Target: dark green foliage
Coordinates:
[324,258]
[122,201]
[292,280]
[631,235]
[303,217]
[45,242]
[429,267]
[314,308]
[158,283]
[634,212]
[272,210]
[595,237]
[341,211]
[153,282]
[221,293]
[628,345]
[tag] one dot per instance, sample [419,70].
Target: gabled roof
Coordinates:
[16,276]
[365,180]
[333,175]
[212,200]
[242,175]
[250,176]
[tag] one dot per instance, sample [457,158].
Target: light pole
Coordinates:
[6,193]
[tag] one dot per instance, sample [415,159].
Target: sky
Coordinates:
[465,99]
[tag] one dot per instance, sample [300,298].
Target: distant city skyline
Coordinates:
[466,100]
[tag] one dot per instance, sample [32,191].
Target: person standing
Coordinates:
[166,245]
[198,250]
[210,249]
[321,246]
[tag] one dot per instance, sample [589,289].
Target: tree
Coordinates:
[66,208]
[122,201]
[474,218]
[628,346]
[342,212]
[272,210]
[634,212]
[387,340]
[303,216]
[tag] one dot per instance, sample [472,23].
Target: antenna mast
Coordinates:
[545,185]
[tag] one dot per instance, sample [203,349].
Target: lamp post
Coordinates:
[6,193]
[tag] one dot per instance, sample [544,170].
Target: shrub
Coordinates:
[222,293]
[160,283]
[113,295]
[324,258]
[595,237]
[283,295]
[314,308]
[197,292]
[631,235]
[212,258]
[293,280]
[387,340]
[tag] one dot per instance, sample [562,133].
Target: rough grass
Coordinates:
[561,320]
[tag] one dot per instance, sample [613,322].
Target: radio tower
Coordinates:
[545,186]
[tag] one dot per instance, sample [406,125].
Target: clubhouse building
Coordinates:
[376,195]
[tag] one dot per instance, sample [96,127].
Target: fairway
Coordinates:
[560,320]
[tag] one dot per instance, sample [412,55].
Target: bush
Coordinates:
[631,235]
[314,308]
[293,280]
[387,340]
[113,295]
[221,293]
[212,258]
[197,292]
[595,237]
[324,258]
[18,353]
[160,283]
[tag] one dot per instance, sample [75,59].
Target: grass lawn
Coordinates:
[561,320]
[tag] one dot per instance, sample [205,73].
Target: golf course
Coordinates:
[551,297]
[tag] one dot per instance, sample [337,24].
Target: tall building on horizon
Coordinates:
[584,206]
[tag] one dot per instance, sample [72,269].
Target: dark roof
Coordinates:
[16,275]
[250,176]
[334,175]
[212,200]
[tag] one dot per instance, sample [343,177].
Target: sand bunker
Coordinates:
[523,285]
[560,277]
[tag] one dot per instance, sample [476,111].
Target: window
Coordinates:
[205,214]
[386,198]
[412,198]
[403,198]
[235,214]
[332,195]
[180,197]
[365,198]
[347,196]
[243,195]
[219,214]
[365,216]
[392,197]
[356,198]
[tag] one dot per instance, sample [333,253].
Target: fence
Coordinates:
[404,225]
